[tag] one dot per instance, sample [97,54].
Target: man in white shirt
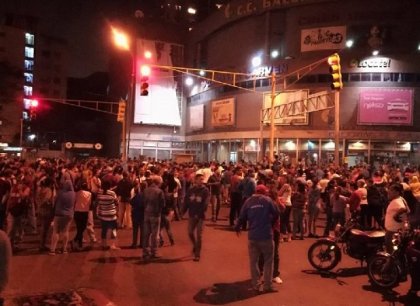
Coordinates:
[396,213]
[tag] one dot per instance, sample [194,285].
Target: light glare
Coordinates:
[256,61]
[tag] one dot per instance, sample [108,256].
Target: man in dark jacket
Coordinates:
[154,203]
[261,213]
[196,202]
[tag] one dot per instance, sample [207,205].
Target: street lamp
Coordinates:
[122,41]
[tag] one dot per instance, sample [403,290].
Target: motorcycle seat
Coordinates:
[370,234]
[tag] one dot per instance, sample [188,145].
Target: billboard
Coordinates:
[223,112]
[196,117]
[327,38]
[286,112]
[385,106]
[160,106]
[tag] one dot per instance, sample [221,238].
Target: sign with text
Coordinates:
[385,106]
[223,112]
[328,38]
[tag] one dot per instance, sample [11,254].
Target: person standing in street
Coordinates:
[261,213]
[196,202]
[154,203]
[396,213]
[107,211]
[123,192]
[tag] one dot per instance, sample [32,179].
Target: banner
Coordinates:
[223,112]
[196,117]
[386,106]
[328,38]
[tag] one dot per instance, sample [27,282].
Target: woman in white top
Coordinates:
[364,212]
[284,196]
[81,213]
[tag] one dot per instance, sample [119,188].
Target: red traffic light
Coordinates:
[34,103]
[145,70]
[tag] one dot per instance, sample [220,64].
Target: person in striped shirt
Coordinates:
[107,208]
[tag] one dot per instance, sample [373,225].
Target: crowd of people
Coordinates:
[45,196]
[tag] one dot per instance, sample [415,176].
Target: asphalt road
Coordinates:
[221,277]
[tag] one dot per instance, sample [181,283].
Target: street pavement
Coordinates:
[221,277]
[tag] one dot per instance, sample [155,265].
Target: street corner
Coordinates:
[79,297]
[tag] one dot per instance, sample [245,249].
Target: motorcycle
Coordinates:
[387,270]
[326,253]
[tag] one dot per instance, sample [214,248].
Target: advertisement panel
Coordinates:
[162,88]
[196,117]
[385,106]
[223,112]
[327,38]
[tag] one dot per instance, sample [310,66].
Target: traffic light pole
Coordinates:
[272,127]
[337,128]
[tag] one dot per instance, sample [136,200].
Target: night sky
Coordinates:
[83,23]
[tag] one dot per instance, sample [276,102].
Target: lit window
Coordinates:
[27,103]
[29,77]
[29,52]
[27,90]
[29,65]
[29,39]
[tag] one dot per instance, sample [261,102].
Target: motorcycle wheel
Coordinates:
[324,255]
[383,272]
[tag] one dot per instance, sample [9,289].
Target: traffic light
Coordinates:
[33,109]
[121,111]
[335,71]
[144,87]
[145,73]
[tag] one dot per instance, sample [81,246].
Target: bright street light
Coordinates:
[189,81]
[256,61]
[120,39]
[274,53]
[349,43]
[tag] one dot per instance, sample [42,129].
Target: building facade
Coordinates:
[380,66]
[40,63]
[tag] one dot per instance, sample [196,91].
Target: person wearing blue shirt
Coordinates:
[260,212]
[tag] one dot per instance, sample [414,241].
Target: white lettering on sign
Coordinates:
[382,62]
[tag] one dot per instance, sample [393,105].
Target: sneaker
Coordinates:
[114,247]
[52,253]
[270,290]
[196,258]
[277,280]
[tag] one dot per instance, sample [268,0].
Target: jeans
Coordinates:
[166,224]
[235,206]
[285,221]
[80,218]
[297,222]
[14,228]
[195,233]
[105,226]
[215,200]
[138,226]
[151,232]
[257,248]
[60,228]
[276,260]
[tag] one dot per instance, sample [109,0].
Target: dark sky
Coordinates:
[83,23]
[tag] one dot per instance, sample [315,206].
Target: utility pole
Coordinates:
[273,98]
